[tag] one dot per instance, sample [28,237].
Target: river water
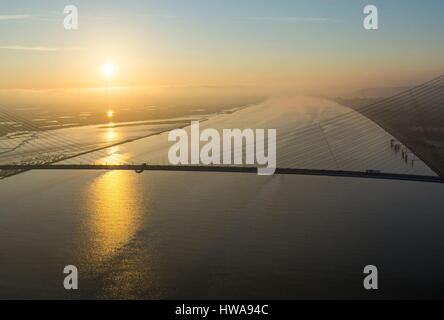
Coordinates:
[160,235]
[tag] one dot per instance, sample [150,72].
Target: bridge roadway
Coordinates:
[139,168]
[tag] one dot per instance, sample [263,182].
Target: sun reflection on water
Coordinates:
[111,135]
[113,155]
[114,213]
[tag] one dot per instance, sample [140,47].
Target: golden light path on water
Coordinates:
[115,199]
[113,204]
[114,155]
[110,134]
[114,209]
[206,236]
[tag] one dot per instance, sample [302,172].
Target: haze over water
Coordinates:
[135,70]
[187,235]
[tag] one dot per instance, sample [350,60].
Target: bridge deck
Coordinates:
[229,169]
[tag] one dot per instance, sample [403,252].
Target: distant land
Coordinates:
[378,92]
[413,115]
[52,110]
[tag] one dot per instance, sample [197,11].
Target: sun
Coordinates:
[108,69]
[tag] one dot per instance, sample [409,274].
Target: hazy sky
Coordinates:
[290,43]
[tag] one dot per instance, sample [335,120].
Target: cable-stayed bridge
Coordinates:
[416,118]
[401,137]
[140,168]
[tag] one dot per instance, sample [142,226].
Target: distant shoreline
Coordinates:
[404,132]
[183,124]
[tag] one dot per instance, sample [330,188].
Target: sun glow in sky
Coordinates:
[108,69]
[299,44]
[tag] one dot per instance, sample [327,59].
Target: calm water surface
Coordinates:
[184,235]
[201,235]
